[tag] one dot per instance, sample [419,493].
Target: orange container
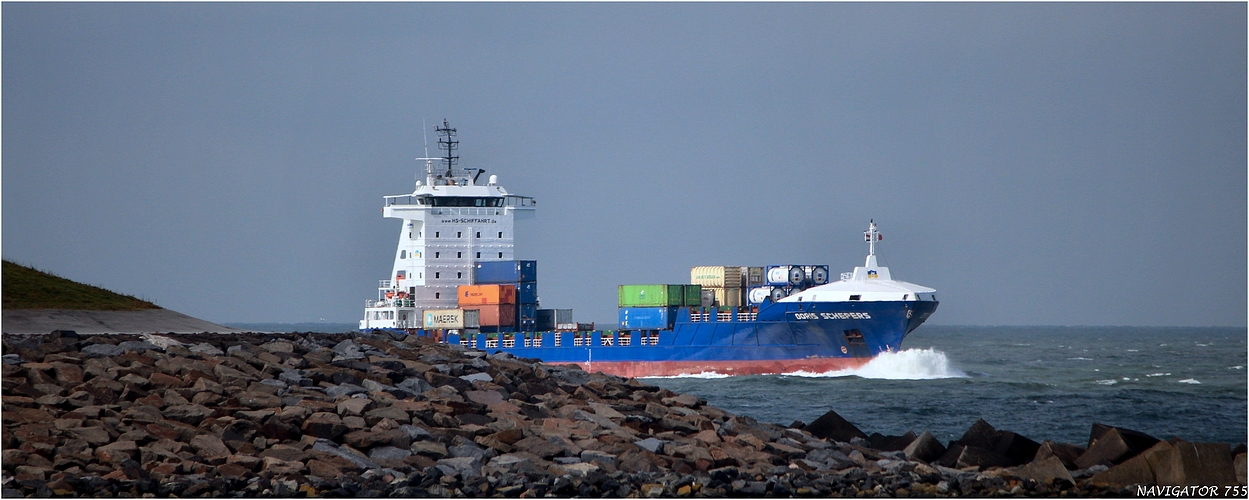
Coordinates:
[497,314]
[483,295]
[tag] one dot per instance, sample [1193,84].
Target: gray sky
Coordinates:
[1063,164]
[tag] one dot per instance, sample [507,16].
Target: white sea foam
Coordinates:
[908,364]
[1106,382]
[1189,381]
[1082,359]
[1156,374]
[703,375]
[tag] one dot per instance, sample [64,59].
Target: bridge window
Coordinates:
[403,254]
[462,201]
[855,297]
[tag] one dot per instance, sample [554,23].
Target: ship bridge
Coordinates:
[450,222]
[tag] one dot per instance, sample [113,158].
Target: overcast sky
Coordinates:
[1057,164]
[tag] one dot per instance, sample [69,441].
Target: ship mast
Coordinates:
[872,236]
[449,144]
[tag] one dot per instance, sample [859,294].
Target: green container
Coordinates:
[693,295]
[651,295]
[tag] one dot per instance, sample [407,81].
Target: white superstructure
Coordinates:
[450,222]
[869,282]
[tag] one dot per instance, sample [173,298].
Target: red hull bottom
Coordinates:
[635,369]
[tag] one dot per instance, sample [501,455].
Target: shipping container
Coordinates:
[476,295]
[708,298]
[546,319]
[785,275]
[506,271]
[444,319]
[753,277]
[550,319]
[647,318]
[526,312]
[497,315]
[716,276]
[527,293]
[651,295]
[728,297]
[816,275]
[758,295]
[693,295]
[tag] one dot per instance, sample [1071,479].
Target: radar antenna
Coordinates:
[448,144]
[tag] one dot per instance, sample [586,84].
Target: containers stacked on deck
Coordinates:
[654,307]
[728,285]
[780,281]
[521,275]
[496,304]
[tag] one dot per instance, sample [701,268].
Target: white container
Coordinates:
[444,319]
[716,276]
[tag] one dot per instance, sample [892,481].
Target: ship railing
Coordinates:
[747,316]
[509,341]
[724,316]
[607,339]
[700,317]
[472,342]
[558,337]
[492,343]
[464,341]
[383,284]
[624,339]
[580,341]
[652,338]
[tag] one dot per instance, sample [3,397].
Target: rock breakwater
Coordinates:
[374,415]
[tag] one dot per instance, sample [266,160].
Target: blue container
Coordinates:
[500,272]
[647,318]
[527,312]
[527,293]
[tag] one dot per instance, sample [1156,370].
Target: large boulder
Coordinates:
[1194,464]
[924,448]
[832,426]
[1112,445]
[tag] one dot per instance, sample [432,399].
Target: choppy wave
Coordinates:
[1190,381]
[703,375]
[908,364]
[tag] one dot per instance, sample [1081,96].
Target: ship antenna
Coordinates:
[429,162]
[448,144]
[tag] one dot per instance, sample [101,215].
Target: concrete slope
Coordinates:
[145,321]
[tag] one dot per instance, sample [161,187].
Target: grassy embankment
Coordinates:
[27,288]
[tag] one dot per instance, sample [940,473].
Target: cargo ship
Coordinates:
[455,279]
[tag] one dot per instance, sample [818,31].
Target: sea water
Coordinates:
[1041,382]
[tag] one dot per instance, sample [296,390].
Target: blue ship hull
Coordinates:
[780,338]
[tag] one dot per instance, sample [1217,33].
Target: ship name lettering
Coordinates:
[469,221]
[832,315]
